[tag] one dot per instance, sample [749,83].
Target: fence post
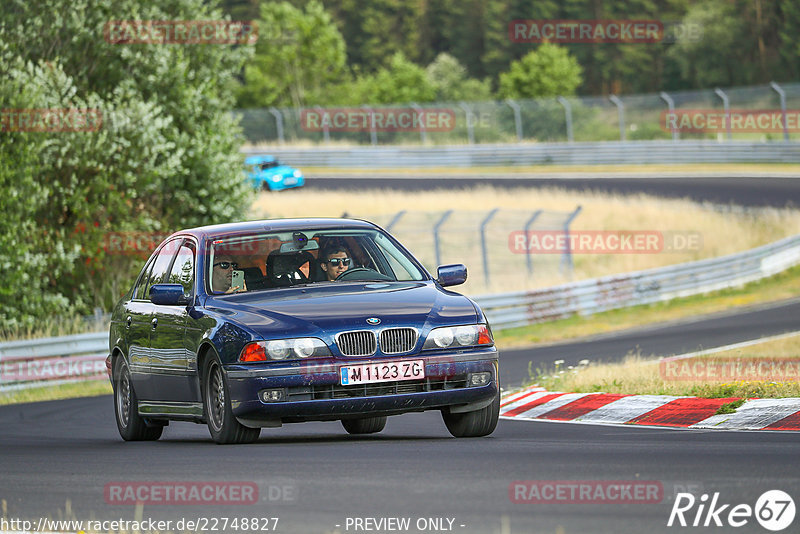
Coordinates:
[621,111]
[394,220]
[671,108]
[373,135]
[567,116]
[566,259]
[485,223]
[528,225]
[436,227]
[517,118]
[423,134]
[326,128]
[470,125]
[725,106]
[278,123]
[782,96]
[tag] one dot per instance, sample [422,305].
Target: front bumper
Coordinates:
[312,391]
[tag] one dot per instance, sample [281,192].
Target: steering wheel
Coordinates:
[290,278]
[363,273]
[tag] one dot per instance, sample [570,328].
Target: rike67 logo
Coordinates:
[774,510]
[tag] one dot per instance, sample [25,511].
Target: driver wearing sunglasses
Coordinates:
[222,275]
[335,261]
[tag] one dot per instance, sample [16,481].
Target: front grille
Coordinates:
[397,340]
[361,343]
[334,391]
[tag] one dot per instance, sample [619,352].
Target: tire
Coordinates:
[131,425]
[473,424]
[365,425]
[222,425]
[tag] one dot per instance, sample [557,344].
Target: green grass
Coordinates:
[730,407]
[91,388]
[781,286]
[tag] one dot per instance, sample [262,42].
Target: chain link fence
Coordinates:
[579,119]
[481,241]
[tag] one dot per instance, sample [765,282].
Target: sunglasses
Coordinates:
[227,264]
[336,261]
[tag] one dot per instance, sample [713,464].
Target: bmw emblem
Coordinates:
[373,321]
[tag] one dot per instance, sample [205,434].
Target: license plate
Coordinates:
[382,372]
[290,181]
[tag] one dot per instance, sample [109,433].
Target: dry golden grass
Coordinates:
[637,375]
[723,231]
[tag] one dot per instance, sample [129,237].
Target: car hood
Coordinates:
[335,307]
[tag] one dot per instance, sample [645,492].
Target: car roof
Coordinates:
[259,159]
[276,225]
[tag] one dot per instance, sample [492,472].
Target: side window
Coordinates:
[183,269]
[141,284]
[159,274]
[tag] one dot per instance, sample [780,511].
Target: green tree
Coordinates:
[547,71]
[450,79]
[166,156]
[298,54]
[402,81]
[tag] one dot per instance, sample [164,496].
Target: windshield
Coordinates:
[275,260]
[268,165]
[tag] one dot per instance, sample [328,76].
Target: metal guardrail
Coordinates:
[58,359]
[608,152]
[587,297]
[53,360]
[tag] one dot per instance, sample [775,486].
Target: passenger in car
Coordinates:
[334,260]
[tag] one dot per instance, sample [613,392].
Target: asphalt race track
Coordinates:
[678,337]
[749,192]
[314,477]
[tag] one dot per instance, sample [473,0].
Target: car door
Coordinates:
[137,314]
[148,387]
[170,356]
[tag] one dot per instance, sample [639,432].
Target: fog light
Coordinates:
[479,379]
[271,395]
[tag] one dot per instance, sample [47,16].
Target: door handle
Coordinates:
[154,322]
[128,322]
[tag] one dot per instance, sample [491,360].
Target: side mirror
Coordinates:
[168,294]
[451,275]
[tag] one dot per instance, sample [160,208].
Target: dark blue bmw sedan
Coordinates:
[256,324]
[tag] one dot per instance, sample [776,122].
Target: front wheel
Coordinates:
[365,425]
[222,425]
[473,424]
[131,425]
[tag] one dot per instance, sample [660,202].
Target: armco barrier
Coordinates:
[586,297]
[52,360]
[507,155]
[32,362]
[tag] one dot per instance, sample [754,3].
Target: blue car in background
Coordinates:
[257,324]
[266,172]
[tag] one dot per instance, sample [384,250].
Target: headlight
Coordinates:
[276,177]
[283,349]
[458,336]
[298,174]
